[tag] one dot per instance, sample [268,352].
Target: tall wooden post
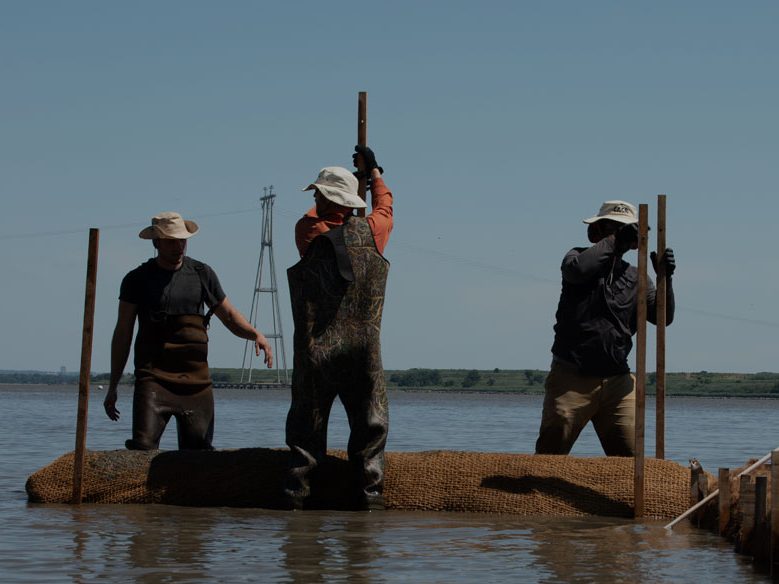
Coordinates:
[638,468]
[86,367]
[662,288]
[362,139]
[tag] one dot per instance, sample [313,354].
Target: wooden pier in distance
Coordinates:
[250,385]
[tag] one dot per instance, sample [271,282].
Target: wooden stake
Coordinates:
[774,540]
[362,140]
[724,499]
[662,288]
[638,468]
[746,502]
[86,367]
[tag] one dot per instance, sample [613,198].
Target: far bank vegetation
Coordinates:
[528,381]
[531,381]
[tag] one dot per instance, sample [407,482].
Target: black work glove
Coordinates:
[626,238]
[668,259]
[369,160]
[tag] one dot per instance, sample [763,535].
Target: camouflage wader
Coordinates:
[337,292]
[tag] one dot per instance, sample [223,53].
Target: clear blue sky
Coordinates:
[500,125]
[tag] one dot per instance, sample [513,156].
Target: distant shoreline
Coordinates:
[763,385]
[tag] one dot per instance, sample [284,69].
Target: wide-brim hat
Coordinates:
[619,211]
[339,186]
[169,225]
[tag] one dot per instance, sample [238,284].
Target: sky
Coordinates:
[500,126]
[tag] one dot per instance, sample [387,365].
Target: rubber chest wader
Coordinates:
[172,379]
[337,294]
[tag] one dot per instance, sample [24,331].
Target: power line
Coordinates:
[137,225]
[441,255]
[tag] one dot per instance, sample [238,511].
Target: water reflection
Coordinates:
[321,546]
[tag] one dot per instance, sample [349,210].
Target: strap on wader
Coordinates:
[342,259]
[201,272]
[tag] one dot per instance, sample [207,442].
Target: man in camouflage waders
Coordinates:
[337,291]
[167,294]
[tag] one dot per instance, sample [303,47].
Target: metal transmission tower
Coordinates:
[277,336]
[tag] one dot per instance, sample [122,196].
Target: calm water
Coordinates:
[148,543]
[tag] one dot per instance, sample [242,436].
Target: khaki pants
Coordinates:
[573,399]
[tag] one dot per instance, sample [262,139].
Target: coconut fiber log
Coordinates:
[519,484]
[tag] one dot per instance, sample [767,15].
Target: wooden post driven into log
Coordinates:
[638,469]
[362,139]
[86,367]
[662,287]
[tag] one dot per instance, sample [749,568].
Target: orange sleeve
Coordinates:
[380,219]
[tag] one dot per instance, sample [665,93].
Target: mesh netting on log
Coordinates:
[520,484]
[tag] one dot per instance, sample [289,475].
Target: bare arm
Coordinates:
[240,327]
[120,350]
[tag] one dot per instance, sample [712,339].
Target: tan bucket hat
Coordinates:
[338,185]
[616,211]
[169,225]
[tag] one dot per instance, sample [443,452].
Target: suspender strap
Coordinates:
[342,259]
[212,303]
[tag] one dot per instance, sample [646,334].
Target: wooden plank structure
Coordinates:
[744,510]
[86,367]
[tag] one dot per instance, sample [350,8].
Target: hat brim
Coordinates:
[338,196]
[154,232]
[617,218]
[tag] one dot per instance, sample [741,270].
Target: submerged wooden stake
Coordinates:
[661,321]
[86,366]
[724,499]
[746,503]
[774,543]
[638,470]
[362,139]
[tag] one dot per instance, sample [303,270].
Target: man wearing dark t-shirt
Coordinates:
[167,295]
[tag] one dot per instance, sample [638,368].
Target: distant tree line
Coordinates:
[530,381]
[46,378]
[418,378]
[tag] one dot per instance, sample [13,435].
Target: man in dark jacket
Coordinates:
[596,317]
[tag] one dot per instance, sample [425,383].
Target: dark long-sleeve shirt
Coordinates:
[596,315]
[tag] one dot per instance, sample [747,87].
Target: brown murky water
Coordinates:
[121,543]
